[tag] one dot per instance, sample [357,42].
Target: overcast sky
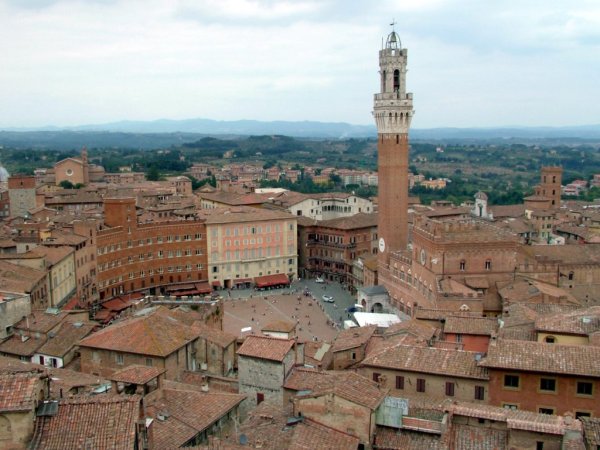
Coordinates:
[471,62]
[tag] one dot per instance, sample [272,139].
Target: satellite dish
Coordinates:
[243,439]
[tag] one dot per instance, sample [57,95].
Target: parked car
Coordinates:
[319,280]
[328,298]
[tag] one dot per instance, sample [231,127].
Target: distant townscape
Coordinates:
[251,301]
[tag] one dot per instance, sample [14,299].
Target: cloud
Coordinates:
[470,63]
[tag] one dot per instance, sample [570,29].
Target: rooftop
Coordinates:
[99,422]
[542,357]
[19,390]
[422,359]
[265,347]
[154,334]
[353,337]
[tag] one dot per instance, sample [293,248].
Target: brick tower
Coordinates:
[550,184]
[393,111]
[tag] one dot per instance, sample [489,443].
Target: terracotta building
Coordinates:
[543,377]
[148,257]
[330,247]
[454,263]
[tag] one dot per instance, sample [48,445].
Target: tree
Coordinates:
[153,174]
[66,184]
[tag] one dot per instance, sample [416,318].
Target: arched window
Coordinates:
[396,80]
[383,81]
[463,264]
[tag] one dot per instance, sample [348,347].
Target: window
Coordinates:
[585,388]
[353,356]
[511,381]
[479,393]
[548,384]
[260,397]
[399,382]
[376,377]
[539,445]
[449,389]
[463,264]
[420,385]
[548,411]
[488,265]
[149,362]
[550,339]
[119,359]
[579,414]
[511,406]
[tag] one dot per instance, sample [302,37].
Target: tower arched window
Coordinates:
[396,80]
[462,265]
[383,81]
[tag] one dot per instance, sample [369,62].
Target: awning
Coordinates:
[242,280]
[203,288]
[181,287]
[271,280]
[116,304]
[188,292]
[216,283]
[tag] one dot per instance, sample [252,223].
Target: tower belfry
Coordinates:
[393,111]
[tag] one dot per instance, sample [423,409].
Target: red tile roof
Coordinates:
[265,347]
[352,338]
[471,325]
[393,439]
[66,338]
[154,334]
[312,435]
[189,412]
[542,357]
[101,423]
[137,374]
[583,321]
[345,384]
[18,391]
[432,360]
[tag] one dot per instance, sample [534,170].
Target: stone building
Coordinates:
[20,394]
[21,194]
[350,346]
[263,365]
[348,402]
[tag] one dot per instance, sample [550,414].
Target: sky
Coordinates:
[471,63]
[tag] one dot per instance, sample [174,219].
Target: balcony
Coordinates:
[315,243]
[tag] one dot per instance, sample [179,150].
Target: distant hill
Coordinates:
[163,133]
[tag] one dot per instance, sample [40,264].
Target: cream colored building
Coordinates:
[60,263]
[245,243]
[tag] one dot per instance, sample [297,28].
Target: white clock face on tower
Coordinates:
[381,245]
